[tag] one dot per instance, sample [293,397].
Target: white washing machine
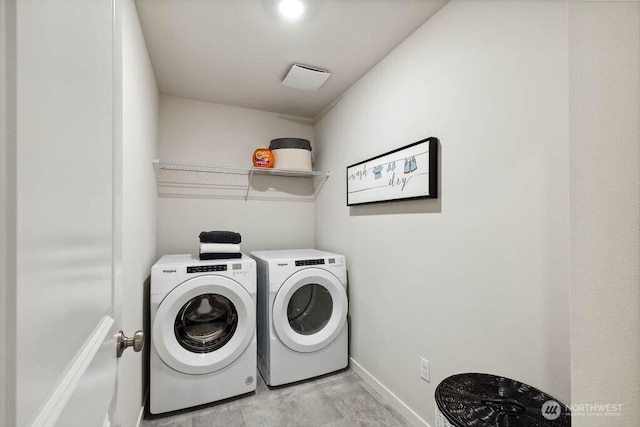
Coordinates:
[203,341]
[302,314]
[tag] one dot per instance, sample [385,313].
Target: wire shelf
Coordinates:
[198,180]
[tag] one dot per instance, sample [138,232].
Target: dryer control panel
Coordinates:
[321,261]
[300,263]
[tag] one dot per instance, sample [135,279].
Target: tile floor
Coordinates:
[340,400]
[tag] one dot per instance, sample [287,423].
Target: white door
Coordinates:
[310,310]
[66,210]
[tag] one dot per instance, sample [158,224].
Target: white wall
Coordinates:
[477,280]
[202,132]
[604,43]
[140,101]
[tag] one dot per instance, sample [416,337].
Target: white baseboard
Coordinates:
[388,395]
[140,415]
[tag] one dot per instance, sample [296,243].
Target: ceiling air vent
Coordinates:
[305,77]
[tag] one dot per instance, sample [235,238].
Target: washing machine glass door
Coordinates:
[204,324]
[310,310]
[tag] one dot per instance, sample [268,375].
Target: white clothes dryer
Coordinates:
[302,314]
[203,341]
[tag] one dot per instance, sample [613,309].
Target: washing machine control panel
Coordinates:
[206,268]
[239,270]
[300,263]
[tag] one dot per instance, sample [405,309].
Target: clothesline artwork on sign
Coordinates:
[410,172]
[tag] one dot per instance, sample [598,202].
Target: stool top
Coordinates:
[478,400]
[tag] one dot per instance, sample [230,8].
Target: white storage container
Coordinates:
[291,153]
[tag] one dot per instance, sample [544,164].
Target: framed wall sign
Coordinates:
[409,172]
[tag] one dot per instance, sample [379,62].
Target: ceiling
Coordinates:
[237,52]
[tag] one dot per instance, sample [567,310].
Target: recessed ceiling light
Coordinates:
[291,9]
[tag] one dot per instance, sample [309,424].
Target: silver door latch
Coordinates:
[137,342]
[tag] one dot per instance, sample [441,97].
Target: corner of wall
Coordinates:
[140,115]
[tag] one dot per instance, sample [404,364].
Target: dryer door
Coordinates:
[310,310]
[204,324]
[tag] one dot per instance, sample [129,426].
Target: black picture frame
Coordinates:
[379,179]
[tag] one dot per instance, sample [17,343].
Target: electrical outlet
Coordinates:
[425,373]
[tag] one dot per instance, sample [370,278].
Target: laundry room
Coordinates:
[514,262]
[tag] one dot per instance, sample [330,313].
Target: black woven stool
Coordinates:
[483,400]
